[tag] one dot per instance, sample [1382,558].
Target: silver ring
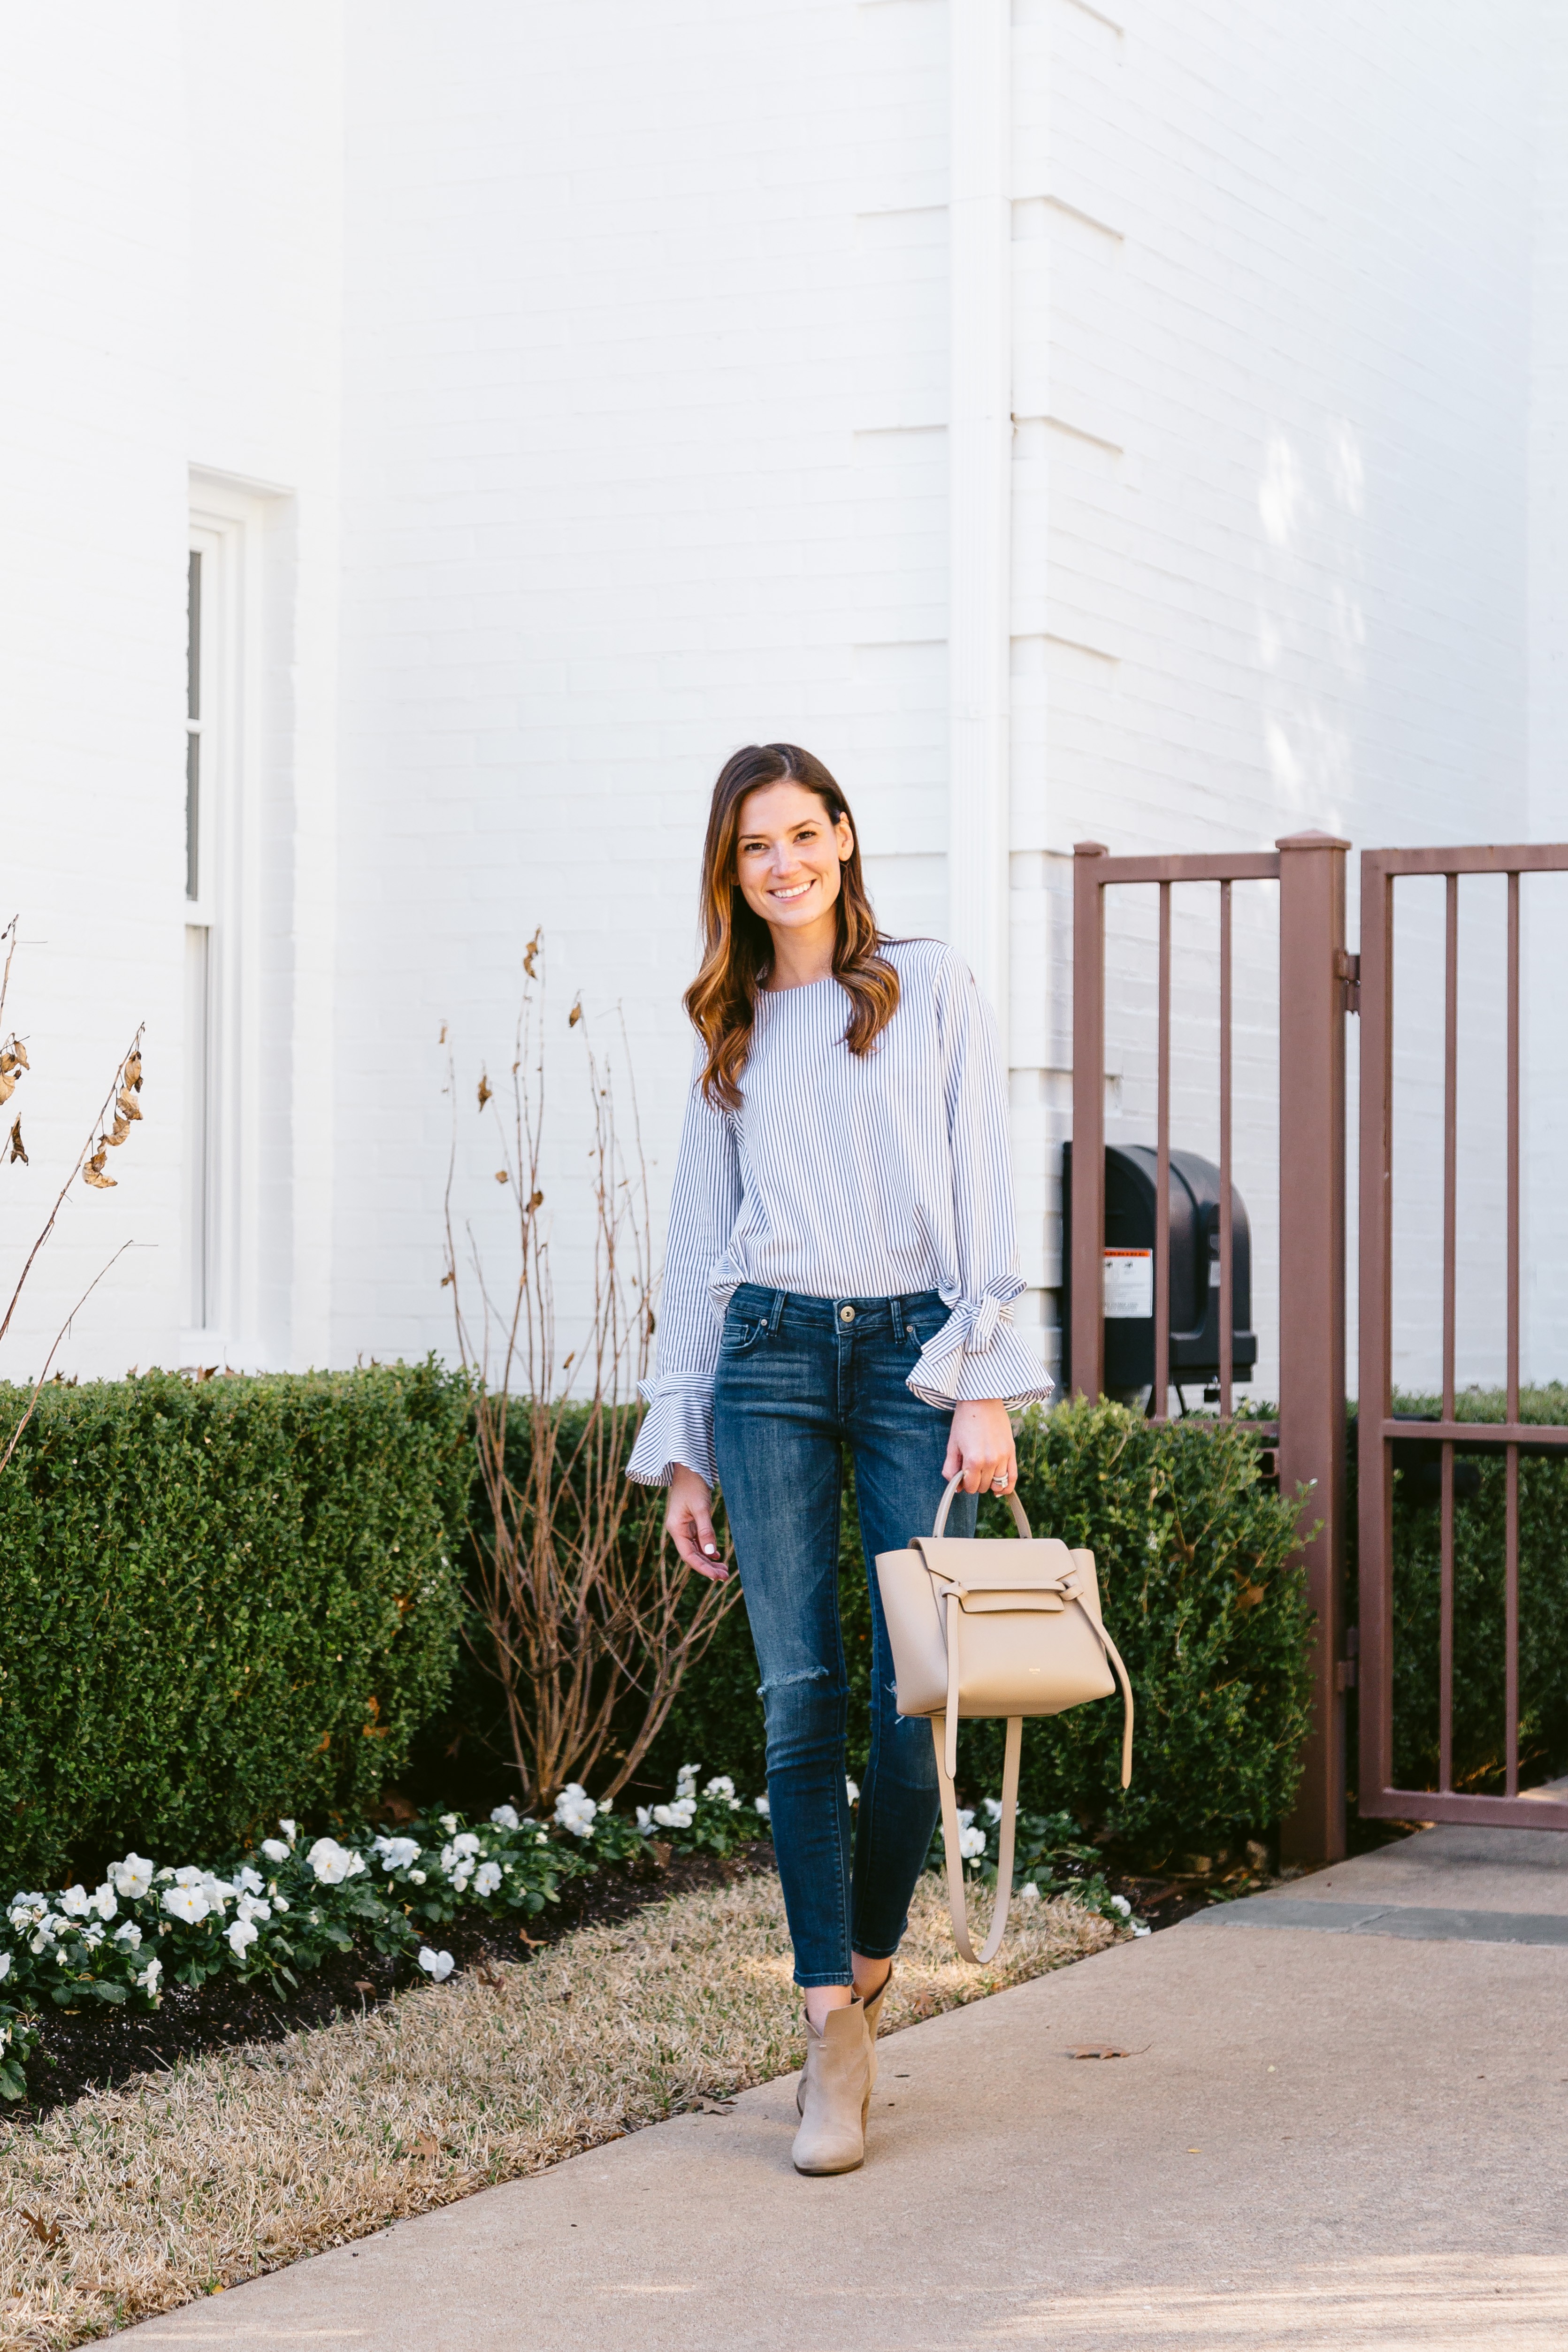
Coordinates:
[998,1485]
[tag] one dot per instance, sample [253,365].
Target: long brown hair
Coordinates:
[737,947]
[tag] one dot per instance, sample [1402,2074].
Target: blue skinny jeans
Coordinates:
[798,1379]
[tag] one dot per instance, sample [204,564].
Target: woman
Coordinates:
[840,1264]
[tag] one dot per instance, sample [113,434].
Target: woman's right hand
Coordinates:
[689,1523]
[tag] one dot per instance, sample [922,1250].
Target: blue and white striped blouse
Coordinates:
[846,1176]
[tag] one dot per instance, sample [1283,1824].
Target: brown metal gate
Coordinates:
[1378,1429]
[1315,977]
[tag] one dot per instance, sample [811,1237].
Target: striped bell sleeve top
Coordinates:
[845,1176]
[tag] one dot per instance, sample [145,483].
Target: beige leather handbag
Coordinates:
[990,1629]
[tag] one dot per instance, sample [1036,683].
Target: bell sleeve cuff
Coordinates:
[678,1432]
[978,1355]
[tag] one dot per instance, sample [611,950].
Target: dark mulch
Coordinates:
[82,2051]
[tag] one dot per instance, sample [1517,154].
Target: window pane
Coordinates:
[193,814]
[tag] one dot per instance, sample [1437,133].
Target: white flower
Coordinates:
[1028,1892]
[645,1820]
[462,1848]
[5,1966]
[241,1937]
[148,1978]
[129,1935]
[248,1907]
[486,1878]
[397,1852]
[333,1862]
[76,1903]
[275,1850]
[438,1964]
[971,1843]
[965,1815]
[27,1908]
[104,1901]
[417,1879]
[219,1893]
[1138,1928]
[189,1876]
[574,1809]
[505,1817]
[761,1805]
[44,1941]
[448,1823]
[186,1903]
[92,1937]
[289,1828]
[993,1808]
[678,1816]
[132,1877]
[541,1839]
[248,1881]
[1119,1903]
[166,1872]
[604,1804]
[719,1786]
[279,1902]
[851,1790]
[461,1876]
[686,1781]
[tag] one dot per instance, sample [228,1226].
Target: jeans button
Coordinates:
[846,1315]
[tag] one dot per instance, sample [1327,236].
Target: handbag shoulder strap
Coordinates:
[955,1902]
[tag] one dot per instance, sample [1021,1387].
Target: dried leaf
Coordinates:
[486,1090]
[530,950]
[442,1038]
[7,1089]
[534,1943]
[488,1977]
[20,1051]
[536,1200]
[92,1171]
[501,1177]
[118,1131]
[18,1149]
[1104,2050]
[45,2229]
[126,1104]
[576,1015]
[704,2106]
[133,1068]
[447,1277]
[363,1984]
[426,2145]
[1249,1596]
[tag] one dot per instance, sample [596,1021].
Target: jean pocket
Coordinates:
[738,1339]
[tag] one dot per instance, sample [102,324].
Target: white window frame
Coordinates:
[223,1064]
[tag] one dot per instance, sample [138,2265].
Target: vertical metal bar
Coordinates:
[1226,1312]
[1376,1602]
[1312,1297]
[1450,1230]
[1086,1333]
[1510,1534]
[1159,1400]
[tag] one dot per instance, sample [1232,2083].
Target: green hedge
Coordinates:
[219,1602]
[1203,1591]
[1479,1666]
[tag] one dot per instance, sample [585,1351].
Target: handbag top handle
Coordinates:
[1020,1519]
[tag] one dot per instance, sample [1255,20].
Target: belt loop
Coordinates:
[780,1299]
[897,1306]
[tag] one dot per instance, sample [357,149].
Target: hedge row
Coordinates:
[224,1601]
[220,1602]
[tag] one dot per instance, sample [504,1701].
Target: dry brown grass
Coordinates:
[243,2161]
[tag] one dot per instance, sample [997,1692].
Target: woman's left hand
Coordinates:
[981,1444]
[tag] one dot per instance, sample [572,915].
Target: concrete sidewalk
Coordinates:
[1323,2138]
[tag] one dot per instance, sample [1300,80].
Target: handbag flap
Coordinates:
[1041,1565]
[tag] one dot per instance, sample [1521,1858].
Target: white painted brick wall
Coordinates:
[595,364]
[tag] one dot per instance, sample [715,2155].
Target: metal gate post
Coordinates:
[1087,1334]
[1313,970]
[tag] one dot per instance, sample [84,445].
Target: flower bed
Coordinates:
[267,1917]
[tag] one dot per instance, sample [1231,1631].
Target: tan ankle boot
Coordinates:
[834,2094]
[872,2012]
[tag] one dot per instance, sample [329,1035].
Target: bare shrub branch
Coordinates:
[590,1615]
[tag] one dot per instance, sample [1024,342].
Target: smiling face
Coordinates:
[789,855]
